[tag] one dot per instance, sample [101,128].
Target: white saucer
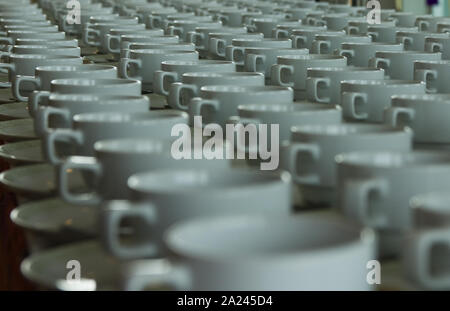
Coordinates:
[14,111]
[22,152]
[53,222]
[17,130]
[99,271]
[36,181]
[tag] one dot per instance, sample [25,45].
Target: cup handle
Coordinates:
[34,100]
[4,55]
[423,25]
[86,33]
[152,21]
[421,246]
[11,68]
[18,80]
[425,75]
[374,35]
[296,39]
[356,194]
[173,30]
[312,84]
[375,62]
[151,273]
[352,30]
[193,36]
[89,164]
[318,46]
[6,40]
[176,88]
[276,73]
[216,46]
[279,32]
[251,28]
[196,104]
[407,42]
[113,214]
[251,61]
[349,105]
[160,77]
[392,113]
[123,67]
[65,135]
[110,38]
[436,47]
[223,18]
[43,115]
[347,53]
[307,148]
[233,55]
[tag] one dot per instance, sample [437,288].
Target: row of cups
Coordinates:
[383,173]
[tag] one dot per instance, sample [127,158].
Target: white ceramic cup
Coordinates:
[43,75]
[400,64]
[438,45]
[435,74]
[249,191]
[376,188]
[217,103]
[238,253]
[172,71]
[366,100]
[424,114]
[328,43]
[425,255]
[88,128]
[387,34]
[109,174]
[200,36]
[25,64]
[218,41]
[143,64]
[310,154]
[429,22]
[181,28]
[261,60]
[60,108]
[125,52]
[323,84]
[359,54]
[303,37]
[180,93]
[404,19]
[291,70]
[415,41]
[85,86]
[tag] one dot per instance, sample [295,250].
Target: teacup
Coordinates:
[438,45]
[387,34]
[25,64]
[181,28]
[359,54]
[218,41]
[240,250]
[291,70]
[13,35]
[361,27]
[262,59]
[250,191]
[323,84]
[125,53]
[429,22]
[109,174]
[156,18]
[172,71]
[126,40]
[200,36]
[375,188]
[415,41]
[114,37]
[86,86]
[60,108]
[434,73]
[303,37]
[404,19]
[217,103]
[43,75]
[89,128]
[425,255]
[366,100]
[424,114]
[145,62]
[400,64]
[310,154]
[180,94]
[327,43]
